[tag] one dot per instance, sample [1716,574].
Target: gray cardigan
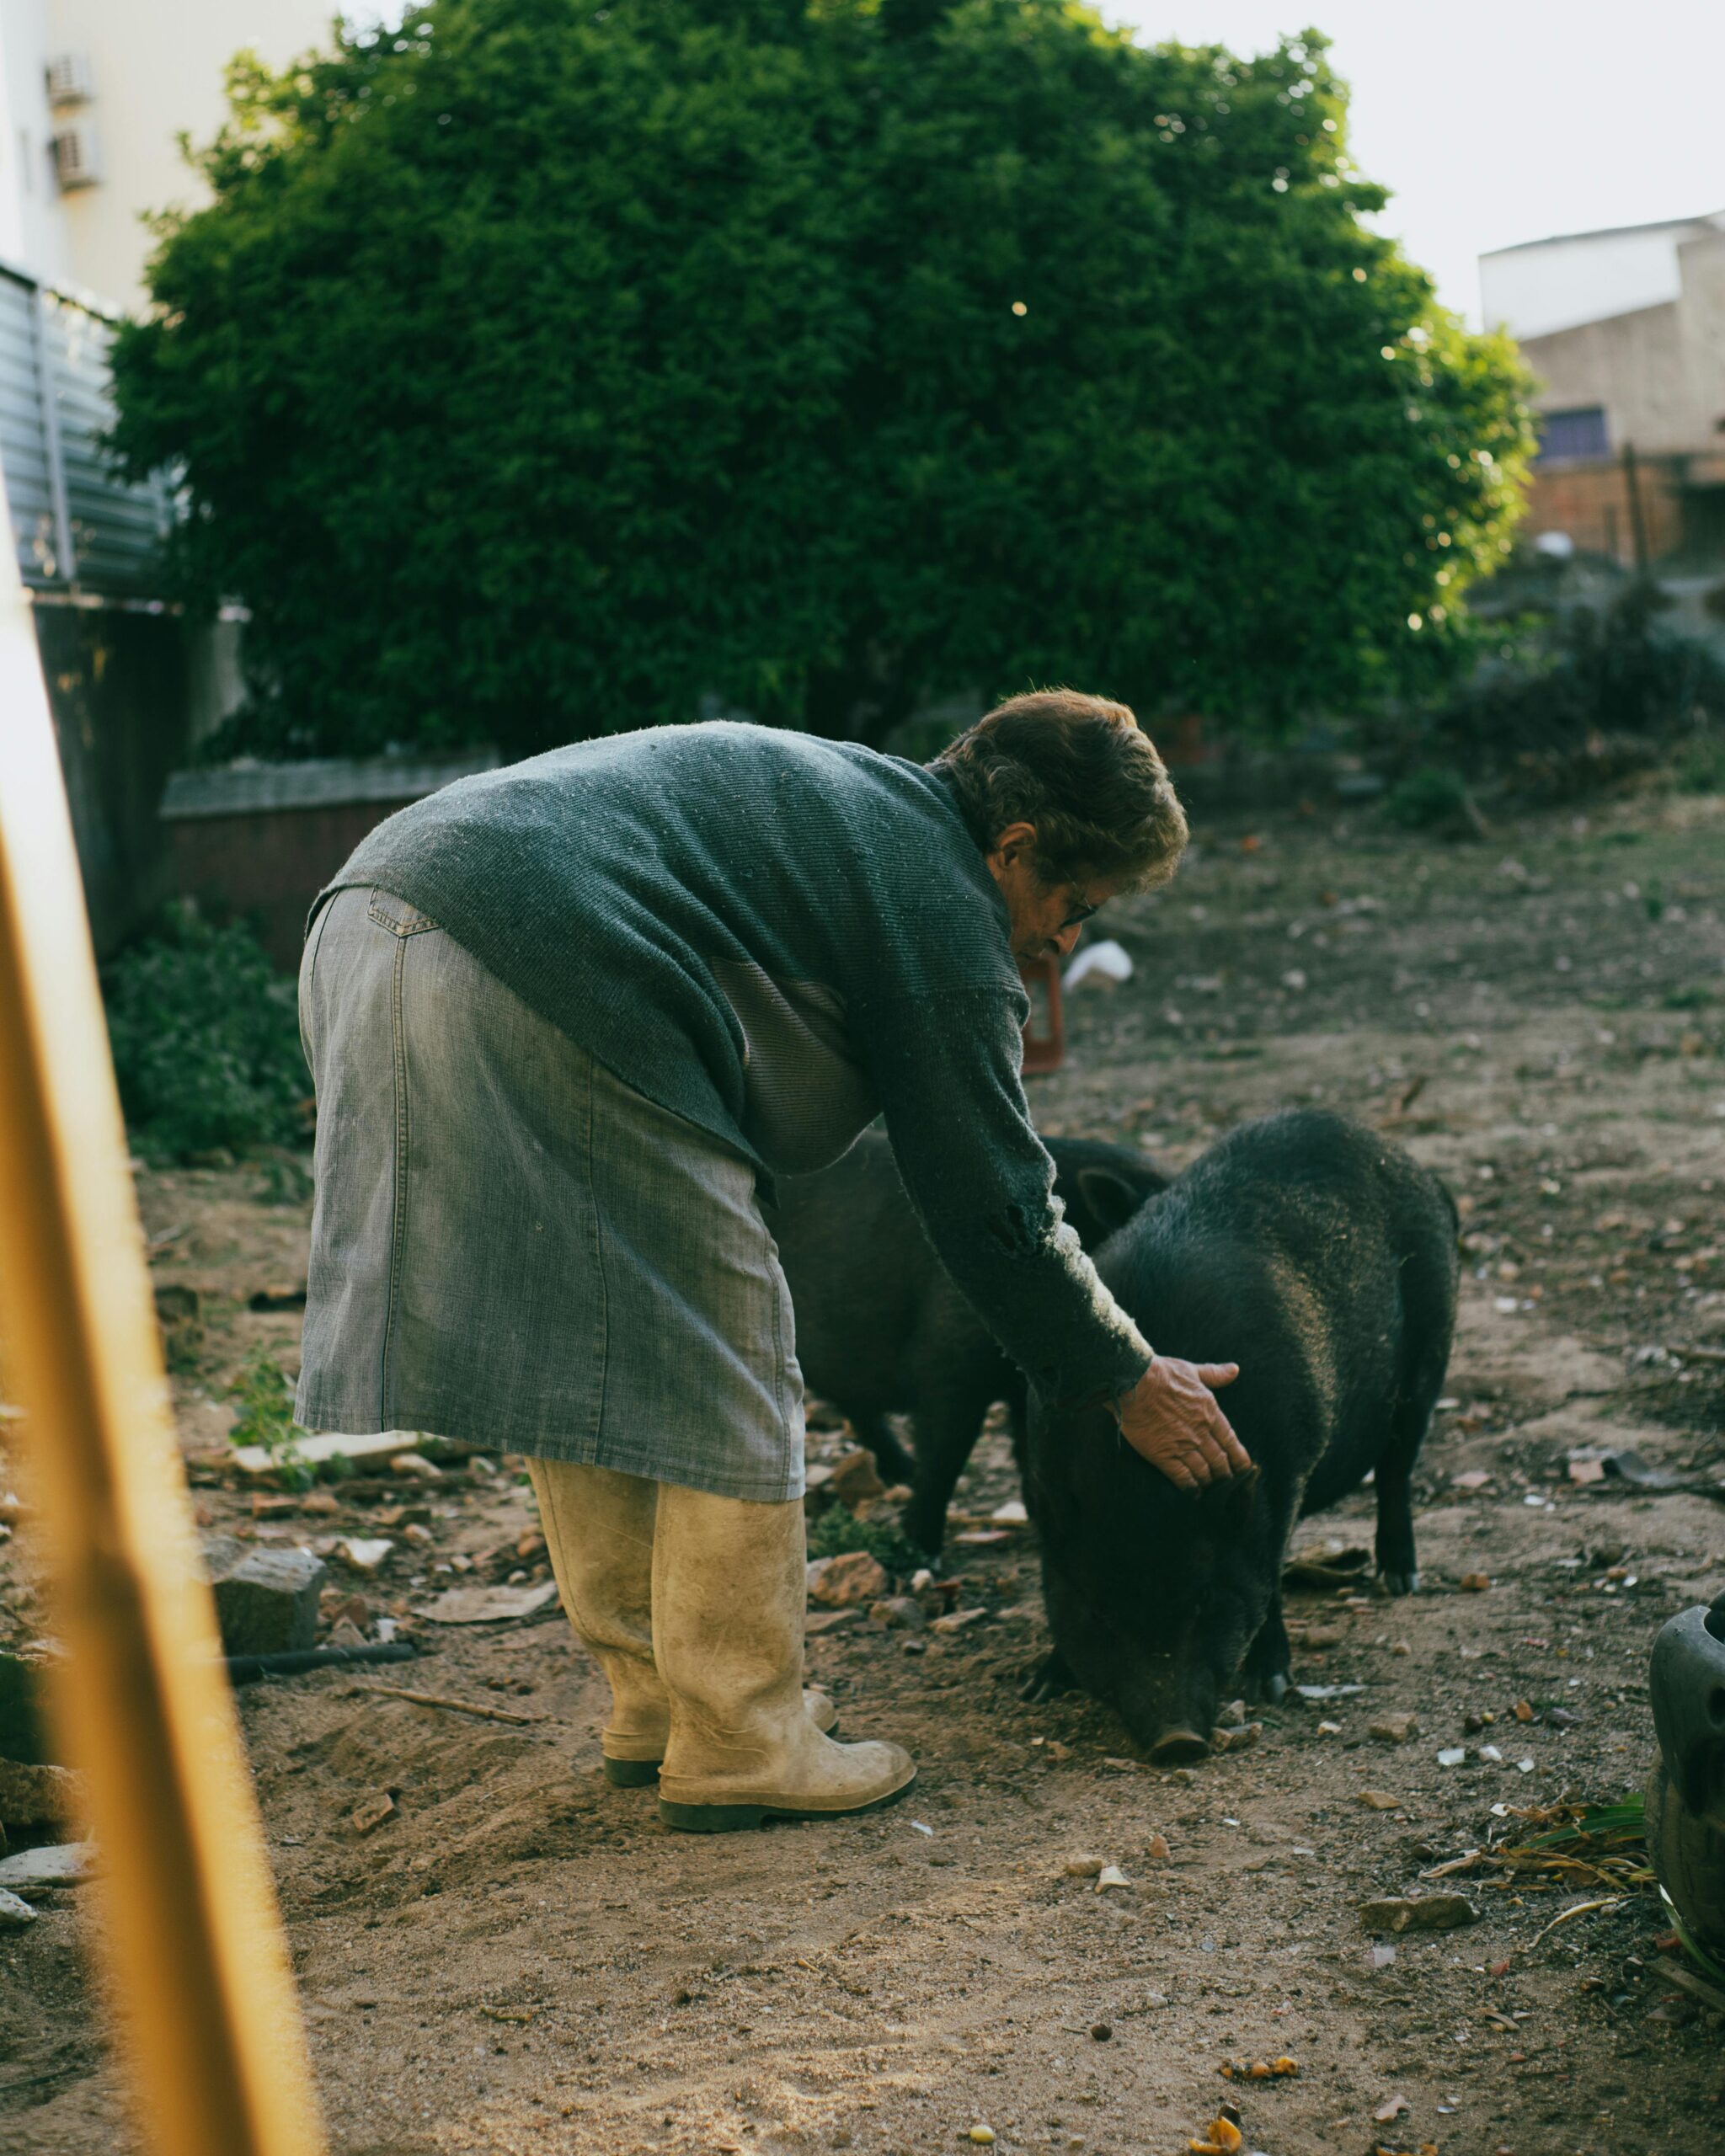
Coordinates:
[615,885]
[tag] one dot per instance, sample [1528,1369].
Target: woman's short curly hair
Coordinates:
[1080,771]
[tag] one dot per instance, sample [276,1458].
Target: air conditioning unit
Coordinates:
[78,157]
[70,80]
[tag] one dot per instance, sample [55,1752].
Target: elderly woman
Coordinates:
[564,1018]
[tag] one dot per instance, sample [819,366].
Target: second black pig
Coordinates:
[881,1330]
[1320,1259]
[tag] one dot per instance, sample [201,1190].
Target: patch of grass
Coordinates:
[265,1396]
[838,1531]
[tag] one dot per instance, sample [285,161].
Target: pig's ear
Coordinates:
[1109,1199]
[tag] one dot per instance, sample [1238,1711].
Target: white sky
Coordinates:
[1494,122]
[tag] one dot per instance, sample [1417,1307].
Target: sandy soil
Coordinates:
[522,1959]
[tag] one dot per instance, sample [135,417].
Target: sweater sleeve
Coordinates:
[946,1070]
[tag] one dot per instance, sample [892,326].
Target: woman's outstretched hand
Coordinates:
[1172,1418]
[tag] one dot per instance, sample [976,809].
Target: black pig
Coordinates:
[880,1328]
[1323,1260]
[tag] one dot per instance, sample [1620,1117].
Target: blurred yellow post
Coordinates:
[189,1922]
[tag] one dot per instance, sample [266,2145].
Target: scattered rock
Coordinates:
[829,1621]
[899,1613]
[1380,1800]
[852,1580]
[1112,1880]
[958,1620]
[36,1796]
[1474,1582]
[490,1605]
[266,1600]
[362,1553]
[1395,1729]
[1452,1755]
[1235,1740]
[1100,2032]
[983,2136]
[1157,1851]
[347,1634]
[1418,1912]
[1086,1867]
[374,1807]
[855,1478]
[14,1913]
[60,1863]
[1392,2107]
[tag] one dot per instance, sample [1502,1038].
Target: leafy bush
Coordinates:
[1431,800]
[1562,687]
[1698,764]
[537,371]
[206,1042]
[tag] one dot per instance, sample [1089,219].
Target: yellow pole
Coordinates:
[190,1926]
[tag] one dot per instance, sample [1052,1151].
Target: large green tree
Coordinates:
[542,369]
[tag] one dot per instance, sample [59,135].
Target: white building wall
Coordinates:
[155,73]
[1549,284]
[32,220]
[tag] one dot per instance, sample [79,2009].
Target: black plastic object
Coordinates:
[248,1668]
[1686,1807]
[1687,1682]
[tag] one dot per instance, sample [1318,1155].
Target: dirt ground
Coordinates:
[521,1959]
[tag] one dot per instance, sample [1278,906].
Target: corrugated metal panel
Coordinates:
[55,404]
[23,445]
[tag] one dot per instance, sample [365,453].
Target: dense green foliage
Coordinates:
[206,1042]
[540,370]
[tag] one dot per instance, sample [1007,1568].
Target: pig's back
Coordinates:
[1283,1249]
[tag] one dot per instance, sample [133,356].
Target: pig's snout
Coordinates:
[1178,1747]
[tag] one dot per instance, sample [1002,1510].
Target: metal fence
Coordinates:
[77,528]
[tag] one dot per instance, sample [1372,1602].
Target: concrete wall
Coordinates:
[1637,365]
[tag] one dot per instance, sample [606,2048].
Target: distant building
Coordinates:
[1625,330]
[94,95]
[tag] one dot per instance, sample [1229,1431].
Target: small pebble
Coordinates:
[1085,1867]
[1100,2032]
[1111,1878]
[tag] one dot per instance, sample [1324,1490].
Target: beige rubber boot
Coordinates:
[729,1592]
[599,1533]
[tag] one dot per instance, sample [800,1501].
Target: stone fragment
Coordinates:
[829,1621]
[852,1580]
[374,1807]
[59,1863]
[958,1621]
[364,1553]
[1086,1867]
[1156,1850]
[1112,1880]
[1474,1582]
[855,1478]
[1398,1913]
[14,1913]
[899,1613]
[490,1605]
[1380,1800]
[266,1600]
[1395,1729]
[346,1634]
[36,1796]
